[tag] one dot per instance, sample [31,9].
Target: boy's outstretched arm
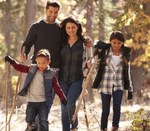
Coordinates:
[16,65]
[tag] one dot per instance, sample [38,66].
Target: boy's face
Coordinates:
[116,44]
[42,63]
[51,14]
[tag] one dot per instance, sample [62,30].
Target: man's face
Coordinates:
[51,14]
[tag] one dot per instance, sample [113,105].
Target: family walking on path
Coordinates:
[60,63]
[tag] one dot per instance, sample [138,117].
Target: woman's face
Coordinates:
[116,44]
[71,29]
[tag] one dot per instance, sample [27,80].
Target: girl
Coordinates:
[113,76]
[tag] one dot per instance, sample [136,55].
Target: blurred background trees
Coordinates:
[98,18]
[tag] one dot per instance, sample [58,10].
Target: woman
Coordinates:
[75,54]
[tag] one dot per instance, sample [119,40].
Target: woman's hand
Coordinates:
[88,42]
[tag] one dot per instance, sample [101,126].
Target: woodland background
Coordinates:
[99,18]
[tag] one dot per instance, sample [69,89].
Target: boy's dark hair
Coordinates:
[44,53]
[53,3]
[117,35]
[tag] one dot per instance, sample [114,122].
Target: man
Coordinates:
[45,34]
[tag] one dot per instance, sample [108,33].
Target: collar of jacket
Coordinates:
[101,45]
[126,49]
[47,69]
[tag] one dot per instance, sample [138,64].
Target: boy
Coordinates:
[38,87]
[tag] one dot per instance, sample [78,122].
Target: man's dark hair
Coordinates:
[52,3]
[43,53]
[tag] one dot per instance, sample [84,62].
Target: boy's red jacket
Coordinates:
[55,84]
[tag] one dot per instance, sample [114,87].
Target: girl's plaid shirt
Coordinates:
[112,78]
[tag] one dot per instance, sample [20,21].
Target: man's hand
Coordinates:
[22,57]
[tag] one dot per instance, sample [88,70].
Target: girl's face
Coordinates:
[71,29]
[116,45]
[42,63]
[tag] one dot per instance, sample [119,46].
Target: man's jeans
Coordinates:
[117,99]
[72,92]
[40,108]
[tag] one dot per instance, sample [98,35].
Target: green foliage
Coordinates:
[135,22]
[133,15]
[140,120]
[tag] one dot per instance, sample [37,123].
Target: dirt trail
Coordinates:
[93,111]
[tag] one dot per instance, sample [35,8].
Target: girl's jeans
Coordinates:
[117,99]
[72,92]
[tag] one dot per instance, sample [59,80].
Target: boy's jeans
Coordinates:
[37,117]
[40,108]
[72,92]
[117,99]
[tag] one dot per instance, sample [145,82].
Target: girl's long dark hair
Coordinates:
[65,36]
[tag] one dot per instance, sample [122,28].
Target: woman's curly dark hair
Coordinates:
[65,36]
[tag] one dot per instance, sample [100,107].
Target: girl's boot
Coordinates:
[114,128]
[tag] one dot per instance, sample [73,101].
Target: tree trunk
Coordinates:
[6,30]
[136,72]
[89,18]
[30,12]
[101,20]
[89,32]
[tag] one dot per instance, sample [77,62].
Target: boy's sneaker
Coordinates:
[31,127]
